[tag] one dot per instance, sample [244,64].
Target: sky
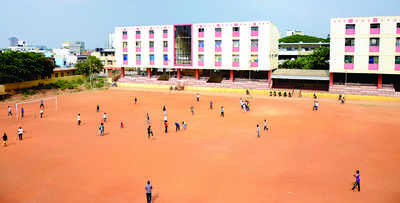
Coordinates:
[52,22]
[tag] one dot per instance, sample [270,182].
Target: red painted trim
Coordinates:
[179,73]
[330,79]
[148,73]
[197,74]
[379,81]
[232,76]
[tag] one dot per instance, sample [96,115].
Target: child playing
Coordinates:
[258,130]
[79,119]
[183,125]
[5,139]
[9,111]
[357,182]
[41,113]
[192,110]
[222,111]
[149,131]
[122,125]
[265,125]
[178,127]
[147,118]
[166,126]
[198,97]
[315,105]
[105,117]
[20,131]
[97,108]
[211,105]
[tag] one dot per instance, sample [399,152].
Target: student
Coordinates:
[102,129]
[148,187]
[241,103]
[222,111]
[342,100]
[198,97]
[5,139]
[41,104]
[164,109]
[22,112]
[9,111]
[20,131]
[265,125]
[315,105]
[177,127]
[41,113]
[315,96]
[258,130]
[270,93]
[135,100]
[79,119]
[183,125]
[340,97]
[122,125]
[166,126]
[165,118]
[247,92]
[97,108]
[192,110]
[357,182]
[147,118]
[211,105]
[105,117]
[274,93]
[149,131]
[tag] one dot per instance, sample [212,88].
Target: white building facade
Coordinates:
[250,46]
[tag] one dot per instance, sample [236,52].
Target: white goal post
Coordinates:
[17,105]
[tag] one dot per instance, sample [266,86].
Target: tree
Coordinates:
[90,66]
[302,38]
[24,66]
[317,60]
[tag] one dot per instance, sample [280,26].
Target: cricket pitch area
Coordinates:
[306,156]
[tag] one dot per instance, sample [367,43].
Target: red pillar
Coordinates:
[148,73]
[197,74]
[330,79]
[179,73]
[379,81]
[232,76]
[122,72]
[269,78]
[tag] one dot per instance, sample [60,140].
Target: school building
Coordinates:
[234,49]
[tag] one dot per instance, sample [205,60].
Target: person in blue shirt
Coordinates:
[357,183]
[178,127]
[22,112]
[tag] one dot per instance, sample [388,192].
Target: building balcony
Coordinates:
[235,64]
[151,49]
[373,48]
[350,31]
[348,66]
[201,63]
[201,34]
[375,31]
[151,36]
[398,49]
[151,62]
[124,49]
[235,49]
[125,62]
[373,66]
[254,33]
[398,30]
[124,37]
[165,49]
[201,49]
[218,49]
[165,63]
[218,34]
[218,63]
[396,66]
[254,64]
[137,36]
[236,34]
[165,35]
[138,62]
[138,49]
[349,48]
[254,49]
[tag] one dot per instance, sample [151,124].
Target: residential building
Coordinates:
[291,51]
[232,46]
[106,56]
[13,41]
[75,47]
[64,58]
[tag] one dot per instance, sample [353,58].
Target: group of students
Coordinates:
[279,93]
[265,128]
[20,131]
[244,105]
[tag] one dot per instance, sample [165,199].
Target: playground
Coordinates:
[305,156]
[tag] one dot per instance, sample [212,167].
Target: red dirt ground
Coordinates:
[306,157]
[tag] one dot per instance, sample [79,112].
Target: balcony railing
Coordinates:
[348,66]
[151,49]
[151,62]
[125,49]
[374,49]
[254,33]
[125,62]
[349,48]
[124,37]
[201,34]
[235,64]
[137,36]
[165,49]
[235,49]
[254,64]
[165,63]
[254,49]
[236,34]
[373,66]
[218,49]
[201,49]
[151,36]
[375,31]
[350,31]
[201,63]
[165,35]
[218,63]
[397,49]
[218,34]
[138,49]
[396,66]
[138,62]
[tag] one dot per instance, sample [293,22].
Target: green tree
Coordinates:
[24,66]
[302,38]
[90,66]
[317,60]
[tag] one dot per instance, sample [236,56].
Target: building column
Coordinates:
[379,81]
[148,73]
[122,72]
[269,78]
[179,73]
[109,72]
[197,74]
[232,76]
[330,79]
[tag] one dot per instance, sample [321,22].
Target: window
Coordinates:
[125,57]
[375,25]
[398,25]
[218,29]
[62,74]
[398,41]
[235,43]
[56,75]
[235,29]
[109,62]
[165,31]
[254,28]
[165,44]
[165,57]
[138,32]
[151,32]
[235,58]
[201,43]
[124,45]
[254,43]
[218,43]
[151,44]
[350,26]
[103,62]
[349,59]
[151,57]
[254,58]
[373,59]
[138,44]
[183,45]
[397,60]
[218,58]
[349,42]
[124,33]
[201,29]
[138,57]
[201,58]
[374,42]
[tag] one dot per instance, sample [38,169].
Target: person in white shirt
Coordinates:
[79,119]
[316,104]
[265,125]
[258,130]
[105,117]
[148,188]
[41,113]
[198,97]
[20,131]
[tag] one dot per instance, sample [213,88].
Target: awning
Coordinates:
[299,74]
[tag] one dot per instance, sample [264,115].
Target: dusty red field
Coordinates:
[306,157]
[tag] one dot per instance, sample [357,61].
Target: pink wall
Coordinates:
[165,63]
[218,34]
[151,62]
[235,49]
[124,37]
[348,66]
[138,62]
[254,33]
[236,34]
[218,49]
[201,49]
[235,64]
[125,49]
[254,49]
[373,48]
[137,36]
[165,49]
[218,63]
[138,49]
[375,31]
[398,30]
[350,31]
[254,64]
[151,36]
[373,66]
[201,34]
[151,49]
[201,63]
[349,48]
[125,62]
[165,35]
[397,48]
[396,66]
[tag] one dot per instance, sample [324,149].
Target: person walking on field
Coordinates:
[211,105]
[258,130]
[222,111]
[192,110]
[166,126]
[147,118]
[135,100]
[9,111]
[41,104]
[22,112]
[105,117]
[357,183]
[97,108]
[177,127]
[265,125]
[198,97]
[5,139]
[102,129]
[316,104]
[79,119]
[41,113]
[20,131]
[149,132]
[148,187]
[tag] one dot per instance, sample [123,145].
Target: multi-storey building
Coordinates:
[365,50]
[106,56]
[241,46]
[291,51]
